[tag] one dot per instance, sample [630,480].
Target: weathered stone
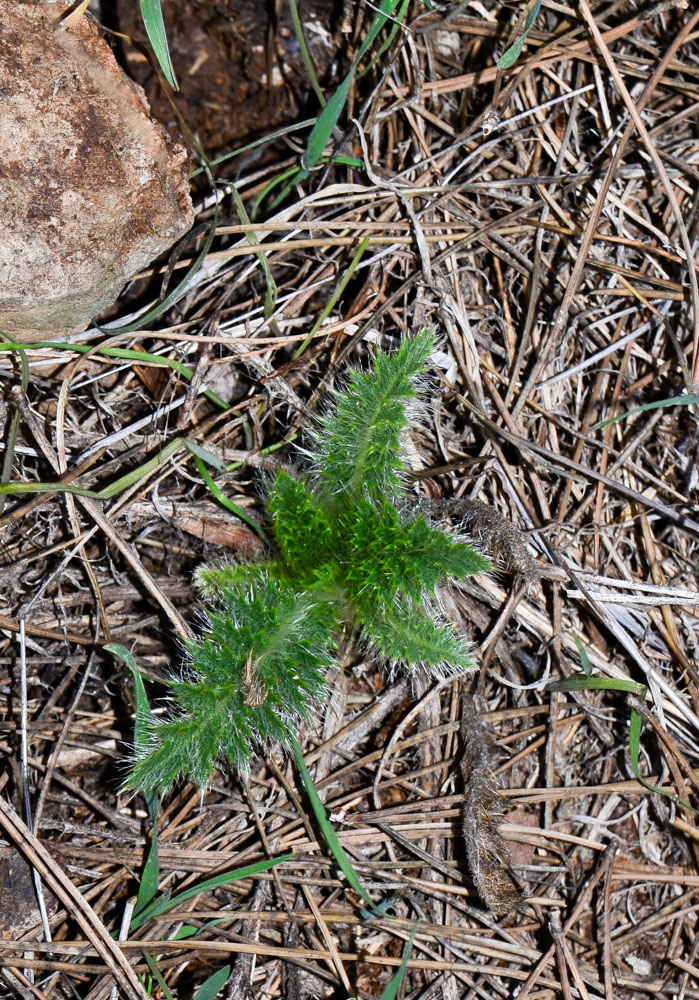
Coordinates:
[91,188]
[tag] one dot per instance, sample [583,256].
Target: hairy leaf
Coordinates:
[359,444]
[390,557]
[304,533]
[406,634]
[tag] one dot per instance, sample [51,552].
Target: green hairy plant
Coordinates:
[352,554]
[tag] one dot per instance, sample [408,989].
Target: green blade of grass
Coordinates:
[253,240]
[155,29]
[330,115]
[14,489]
[597,684]
[150,876]
[341,285]
[11,443]
[188,930]
[123,353]
[156,973]
[228,504]
[327,120]
[511,56]
[298,175]
[688,400]
[305,54]
[136,475]
[130,479]
[278,134]
[635,724]
[215,983]
[391,989]
[584,658]
[386,44]
[635,727]
[292,172]
[156,909]
[144,716]
[331,838]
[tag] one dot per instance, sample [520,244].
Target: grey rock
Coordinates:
[91,187]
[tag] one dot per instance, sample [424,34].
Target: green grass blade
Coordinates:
[150,876]
[511,56]
[688,400]
[278,134]
[598,684]
[153,20]
[305,54]
[205,455]
[327,120]
[330,115]
[386,44]
[584,658]
[294,171]
[209,989]
[228,504]
[189,930]
[14,489]
[122,353]
[136,475]
[157,974]
[383,14]
[11,443]
[9,456]
[331,838]
[635,727]
[234,875]
[635,723]
[341,285]
[144,716]
[391,990]
[253,240]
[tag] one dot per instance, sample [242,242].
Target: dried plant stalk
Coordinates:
[487,853]
[497,534]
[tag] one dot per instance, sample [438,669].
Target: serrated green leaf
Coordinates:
[389,556]
[405,634]
[359,445]
[305,535]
